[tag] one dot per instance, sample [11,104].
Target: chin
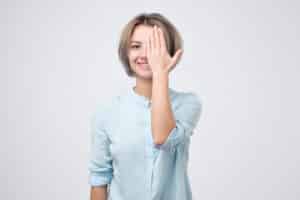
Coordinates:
[142,73]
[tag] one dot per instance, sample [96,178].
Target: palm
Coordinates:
[158,56]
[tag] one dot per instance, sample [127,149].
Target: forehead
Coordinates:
[141,33]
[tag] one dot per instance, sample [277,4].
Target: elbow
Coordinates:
[158,141]
[161,137]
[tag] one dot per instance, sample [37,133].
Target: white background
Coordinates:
[59,59]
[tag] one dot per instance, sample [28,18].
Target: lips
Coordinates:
[142,63]
[143,66]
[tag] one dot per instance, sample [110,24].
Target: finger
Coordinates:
[162,40]
[153,38]
[157,42]
[149,44]
[147,50]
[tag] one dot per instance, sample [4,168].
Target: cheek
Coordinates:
[132,56]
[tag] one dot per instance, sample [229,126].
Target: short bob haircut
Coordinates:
[173,39]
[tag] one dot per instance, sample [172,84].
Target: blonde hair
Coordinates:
[173,39]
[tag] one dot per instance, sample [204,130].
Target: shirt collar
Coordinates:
[142,100]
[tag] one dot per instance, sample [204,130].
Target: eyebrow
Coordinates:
[135,41]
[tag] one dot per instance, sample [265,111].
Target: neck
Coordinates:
[144,88]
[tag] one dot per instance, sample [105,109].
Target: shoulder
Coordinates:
[105,108]
[186,98]
[106,105]
[188,108]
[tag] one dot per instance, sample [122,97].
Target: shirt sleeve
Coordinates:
[100,164]
[186,115]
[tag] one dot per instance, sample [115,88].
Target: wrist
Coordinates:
[160,73]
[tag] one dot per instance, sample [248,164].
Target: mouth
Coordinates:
[143,65]
[139,62]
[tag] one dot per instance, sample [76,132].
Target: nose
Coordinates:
[142,51]
[142,57]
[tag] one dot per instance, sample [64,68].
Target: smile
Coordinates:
[143,66]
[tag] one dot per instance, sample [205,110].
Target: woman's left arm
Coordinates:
[162,119]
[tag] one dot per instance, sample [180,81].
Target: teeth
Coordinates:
[139,62]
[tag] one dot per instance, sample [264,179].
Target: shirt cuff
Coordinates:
[98,180]
[175,137]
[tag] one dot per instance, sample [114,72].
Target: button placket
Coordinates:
[148,132]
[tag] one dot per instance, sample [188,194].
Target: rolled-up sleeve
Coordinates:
[100,163]
[187,115]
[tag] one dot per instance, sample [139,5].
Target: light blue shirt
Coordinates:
[124,156]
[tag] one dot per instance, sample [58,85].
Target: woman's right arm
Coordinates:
[100,163]
[99,192]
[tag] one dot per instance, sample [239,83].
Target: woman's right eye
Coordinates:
[135,46]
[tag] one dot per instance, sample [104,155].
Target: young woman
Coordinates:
[140,139]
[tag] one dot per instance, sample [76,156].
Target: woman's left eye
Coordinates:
[135,46]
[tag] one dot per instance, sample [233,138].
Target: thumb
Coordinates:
[176,57]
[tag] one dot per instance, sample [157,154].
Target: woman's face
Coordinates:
[137,54]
